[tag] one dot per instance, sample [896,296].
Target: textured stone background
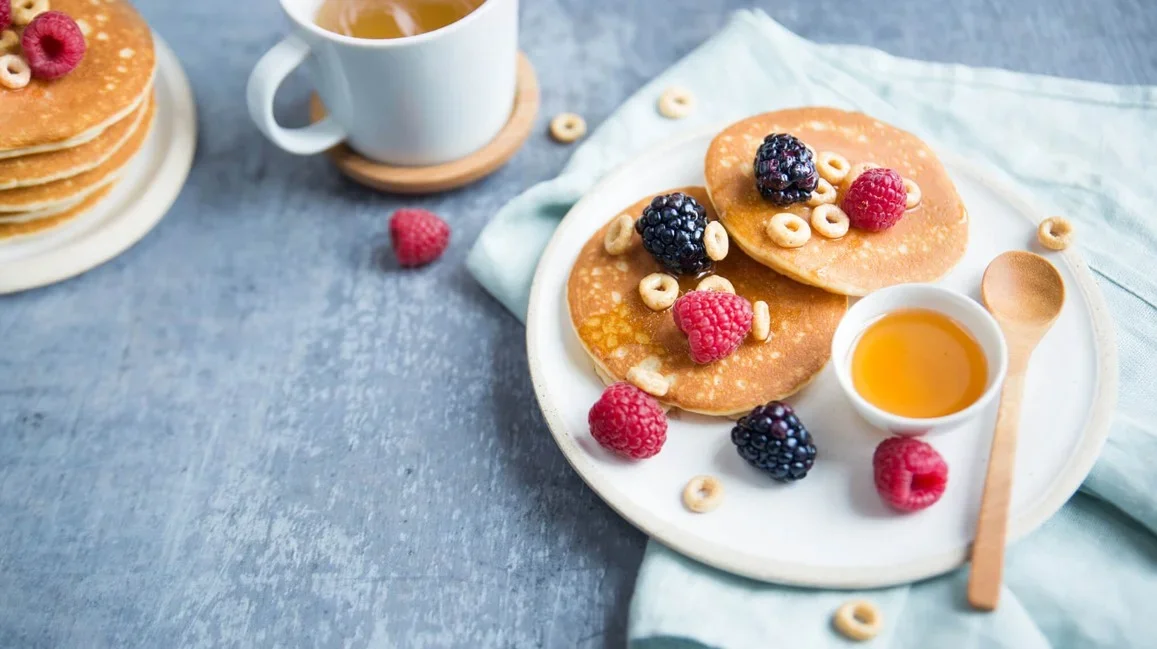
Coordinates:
[252,430]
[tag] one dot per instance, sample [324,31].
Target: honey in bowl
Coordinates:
[379,19]
[919,363]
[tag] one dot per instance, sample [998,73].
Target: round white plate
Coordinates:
[147,189]
[830,529]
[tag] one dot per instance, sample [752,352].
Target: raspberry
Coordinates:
[715,323]
[53,45]
[910,474]
[5,15]
[628,421]
[419,236]
[876,200]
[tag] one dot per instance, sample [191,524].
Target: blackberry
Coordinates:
[785,172]
[672,229]
[772,439]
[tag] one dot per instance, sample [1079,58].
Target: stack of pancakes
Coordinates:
[65,143]
[806,288]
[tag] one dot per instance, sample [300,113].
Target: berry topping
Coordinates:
[785,172]
[876,200]
[5,15]
[53,45]
[672,228]
[772,439]
[910,474]
[628,421]
[715,322]
[419,237]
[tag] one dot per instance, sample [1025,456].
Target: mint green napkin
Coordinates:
[1088,578]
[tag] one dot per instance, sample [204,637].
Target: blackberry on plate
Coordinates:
[785,172]
[672,230]
[772,439]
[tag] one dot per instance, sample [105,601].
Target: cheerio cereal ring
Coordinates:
[648,381]
[620,236]
[858,620]
[9,41]
[832,167]
[830,221]
[716,283]
[858,169]
[824,194]
[567,127]
[760,321]
[703,494]
[788,230]
[912,194]
[1055,233]
[23,11]
[659,291]
[676,103]
[715,241]
[14,72]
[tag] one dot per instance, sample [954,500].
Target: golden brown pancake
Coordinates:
[41,168]
[927,242]
[10,231]
[620,332]
[106,87]
[48,195]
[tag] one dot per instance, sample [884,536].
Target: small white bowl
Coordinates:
[965,311]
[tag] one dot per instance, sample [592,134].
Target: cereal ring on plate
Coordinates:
[715,241]
[676,103]
[24,11]
[620,236]
[703,494]
[567,127]
[659,291]
[1055,233]
[716,283]
[9,41]
[913,195]
[858,620]
[823,194]
[760,321]
[830,221]
[14,72]
[648,381]
[788,230]
[858,169]
[832,167]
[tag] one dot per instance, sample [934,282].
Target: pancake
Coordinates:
[16,217]
[927,242]
[48,195]
[12,231]
[107,86]
[41,168]
[619,332]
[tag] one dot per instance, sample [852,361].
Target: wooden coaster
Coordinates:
[450,175]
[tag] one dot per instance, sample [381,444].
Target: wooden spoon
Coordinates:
[1024,293]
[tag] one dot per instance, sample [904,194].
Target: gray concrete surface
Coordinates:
[252,430]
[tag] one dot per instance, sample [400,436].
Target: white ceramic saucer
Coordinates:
[831,529]
[148,188]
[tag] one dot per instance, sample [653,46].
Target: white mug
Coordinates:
[964,310]
[413,101]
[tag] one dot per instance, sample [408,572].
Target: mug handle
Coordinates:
[267,76]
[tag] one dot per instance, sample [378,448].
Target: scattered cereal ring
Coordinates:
[715,240]
[832,167]
[620,236]
[830,221]
[788,230]
[676,103]
[14,72]
[858,620]
[716,283]
[858,169]
[567,127]
[760,321]
[912,199]
[824,194]
[9,41]
[659,291]
[702,494]
[1055,233]
[23,11]
[648,381]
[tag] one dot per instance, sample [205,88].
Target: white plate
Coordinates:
[148,188]
[830,529]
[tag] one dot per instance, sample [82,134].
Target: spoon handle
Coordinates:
[991,526]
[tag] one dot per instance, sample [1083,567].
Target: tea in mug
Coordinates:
[377,19]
